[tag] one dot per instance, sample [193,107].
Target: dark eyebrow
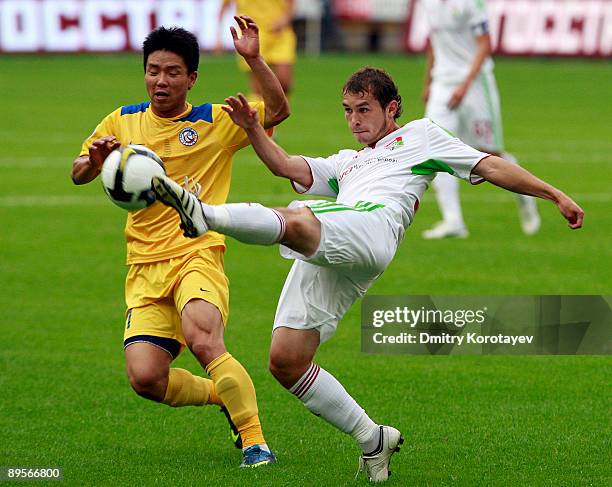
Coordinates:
[157,66]
[360,104]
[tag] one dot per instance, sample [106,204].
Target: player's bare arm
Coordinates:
[517,179]
[247,45]
[86,168]
[483,50]
[274,157]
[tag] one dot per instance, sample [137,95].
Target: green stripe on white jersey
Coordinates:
[330,206]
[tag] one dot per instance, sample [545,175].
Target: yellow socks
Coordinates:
[230,386]
[235,388]
[186,389]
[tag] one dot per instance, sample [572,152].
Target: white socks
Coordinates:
[324,396]
[447,195]
[250,223]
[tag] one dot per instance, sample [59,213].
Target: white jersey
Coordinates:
[454,26]
[394,172]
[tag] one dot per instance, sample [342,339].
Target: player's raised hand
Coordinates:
[101,148]
[570,211]
[241,113]
[247,43]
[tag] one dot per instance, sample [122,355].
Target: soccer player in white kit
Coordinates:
[461,95]
[342,246]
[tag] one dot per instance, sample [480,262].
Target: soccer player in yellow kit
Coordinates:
[176,289]
[278,41]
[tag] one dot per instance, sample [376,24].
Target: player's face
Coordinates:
[366,118]
[167,82]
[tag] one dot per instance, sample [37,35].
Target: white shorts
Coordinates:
[355,249]
[477,120]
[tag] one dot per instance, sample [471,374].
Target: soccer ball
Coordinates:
[126,176]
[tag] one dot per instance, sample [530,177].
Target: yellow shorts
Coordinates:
[156,294]
[276,48]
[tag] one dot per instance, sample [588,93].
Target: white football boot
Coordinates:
[377,462]
[187,204]
[445,229]
[529,214]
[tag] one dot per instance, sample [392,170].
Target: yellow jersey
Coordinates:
[264,12]
[199,143]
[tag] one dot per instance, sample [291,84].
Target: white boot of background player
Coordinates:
[447,194]
[528,209]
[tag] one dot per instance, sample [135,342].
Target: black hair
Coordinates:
[176,40]
[378,83]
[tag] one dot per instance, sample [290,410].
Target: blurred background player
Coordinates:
[461,95]
[176,289]
[276,37]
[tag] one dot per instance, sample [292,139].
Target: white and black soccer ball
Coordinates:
[126,176]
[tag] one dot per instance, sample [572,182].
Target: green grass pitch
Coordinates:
[468,421]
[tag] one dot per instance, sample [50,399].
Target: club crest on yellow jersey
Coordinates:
[188,136]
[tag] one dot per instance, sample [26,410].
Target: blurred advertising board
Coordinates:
[535,27]
[103,25]
[518,27]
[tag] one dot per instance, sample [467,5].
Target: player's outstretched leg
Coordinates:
[250,223]
[187,205]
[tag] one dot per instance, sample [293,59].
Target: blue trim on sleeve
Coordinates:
[131,109]
[200,112]
[480,29]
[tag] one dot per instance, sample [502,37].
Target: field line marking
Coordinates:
[600,157]
[279,200]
